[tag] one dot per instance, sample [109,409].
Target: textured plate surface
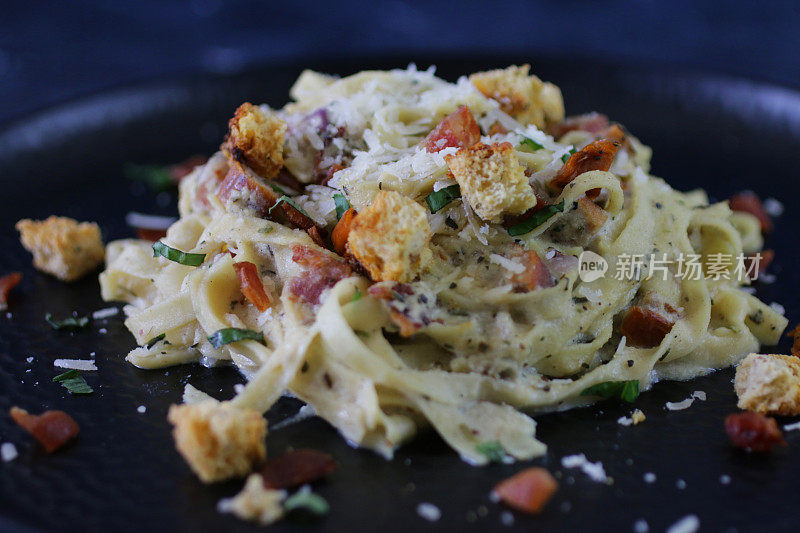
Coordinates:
[123,474]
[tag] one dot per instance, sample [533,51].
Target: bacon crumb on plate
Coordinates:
[295,468]
[749,202]
[53,429]
[753,432]
[8,282]
[527,491]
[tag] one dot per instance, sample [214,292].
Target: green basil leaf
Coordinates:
[438,199]
[342,205]
[152,342]
[156,177]
[565,157]
[493,450]
[228,335]
[73,381]
[537,219]
[356,296]
[530,143]
[70,323]
[173,254]
[308,501]
[286,200]
[625,390]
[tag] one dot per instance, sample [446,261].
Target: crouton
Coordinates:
[256,502]
[255,138]
[218,441]
[492,180]
[62,247]
[524,97]
[390,237]
[769,384]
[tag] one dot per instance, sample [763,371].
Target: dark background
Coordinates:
[54,51]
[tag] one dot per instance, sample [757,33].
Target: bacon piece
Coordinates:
[594,156]
[148,234]
[180,170]
[748,202]
[342,231]
[317,235]
[8,282]
[753,432]
[53,429]
[590,122]
[795,334]
[595,215]
[323,271]
[559,264]
[457,130]
[295,468]
[527,491]
[261,197]
[535,276]
[645,328]
[252,287]
[767,256]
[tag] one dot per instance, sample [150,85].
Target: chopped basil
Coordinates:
[530,143]
[537,219]
[342,205]
[356,296]
[152,342]
[73,322]
[228,335]
[281,189]
[156,177]
[626,390]
[566,156]
[438,199]
[73,382]
[173,254]
[308,501]
[266,229]
[493,450]
[287,200]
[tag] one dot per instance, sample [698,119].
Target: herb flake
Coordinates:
[565,157]
[625,390]
[229,335]
[70,323]
[173,254]
[538,218]
[342,205]
[306,500]
[438,199]
[152,342]
[530,143]
[286,200]
[493,450]
[73,381]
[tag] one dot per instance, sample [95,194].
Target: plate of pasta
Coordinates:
[469,295]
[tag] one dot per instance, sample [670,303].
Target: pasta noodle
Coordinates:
[466,347]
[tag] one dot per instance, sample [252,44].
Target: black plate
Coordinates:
[123,473]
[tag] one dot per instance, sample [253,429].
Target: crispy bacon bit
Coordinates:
[288,180]
[594,156]
[748,202]
[261,197]
[458,130]
[595,215]
[153,235]
[535,276]
[317,236]
[324,271]
[590,122]
[795,334]
[294,216]
[342,231]
[295,468]
[8,282]
[528,491]
[252,287]
[645,328]
[180,170]
[497,128]
[53,429]
[753,432]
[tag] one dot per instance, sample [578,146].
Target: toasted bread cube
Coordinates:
[62,247]
[390,237]
[256,502]
[255,138]
[218,441]
[769,384]
[524,97]
[492,180]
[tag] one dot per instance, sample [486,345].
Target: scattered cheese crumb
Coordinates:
[507,519]
[791,427]
[637,417]
[687,524]
[640,526]
[102,331]
[75,364]
[255,502]
[508,264]
[100,314]
[238,388]
[725,479]
[8,452]
[778,308]
[649,477]
[681,484]
[594,470]
[429,512]
[141,409]
[29,359]
[773,207]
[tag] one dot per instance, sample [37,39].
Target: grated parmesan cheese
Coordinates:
[429,512]
[687,524]
[75,364]
[100,314]
[594,470]
[8,452]
[508,264]
[641,526]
